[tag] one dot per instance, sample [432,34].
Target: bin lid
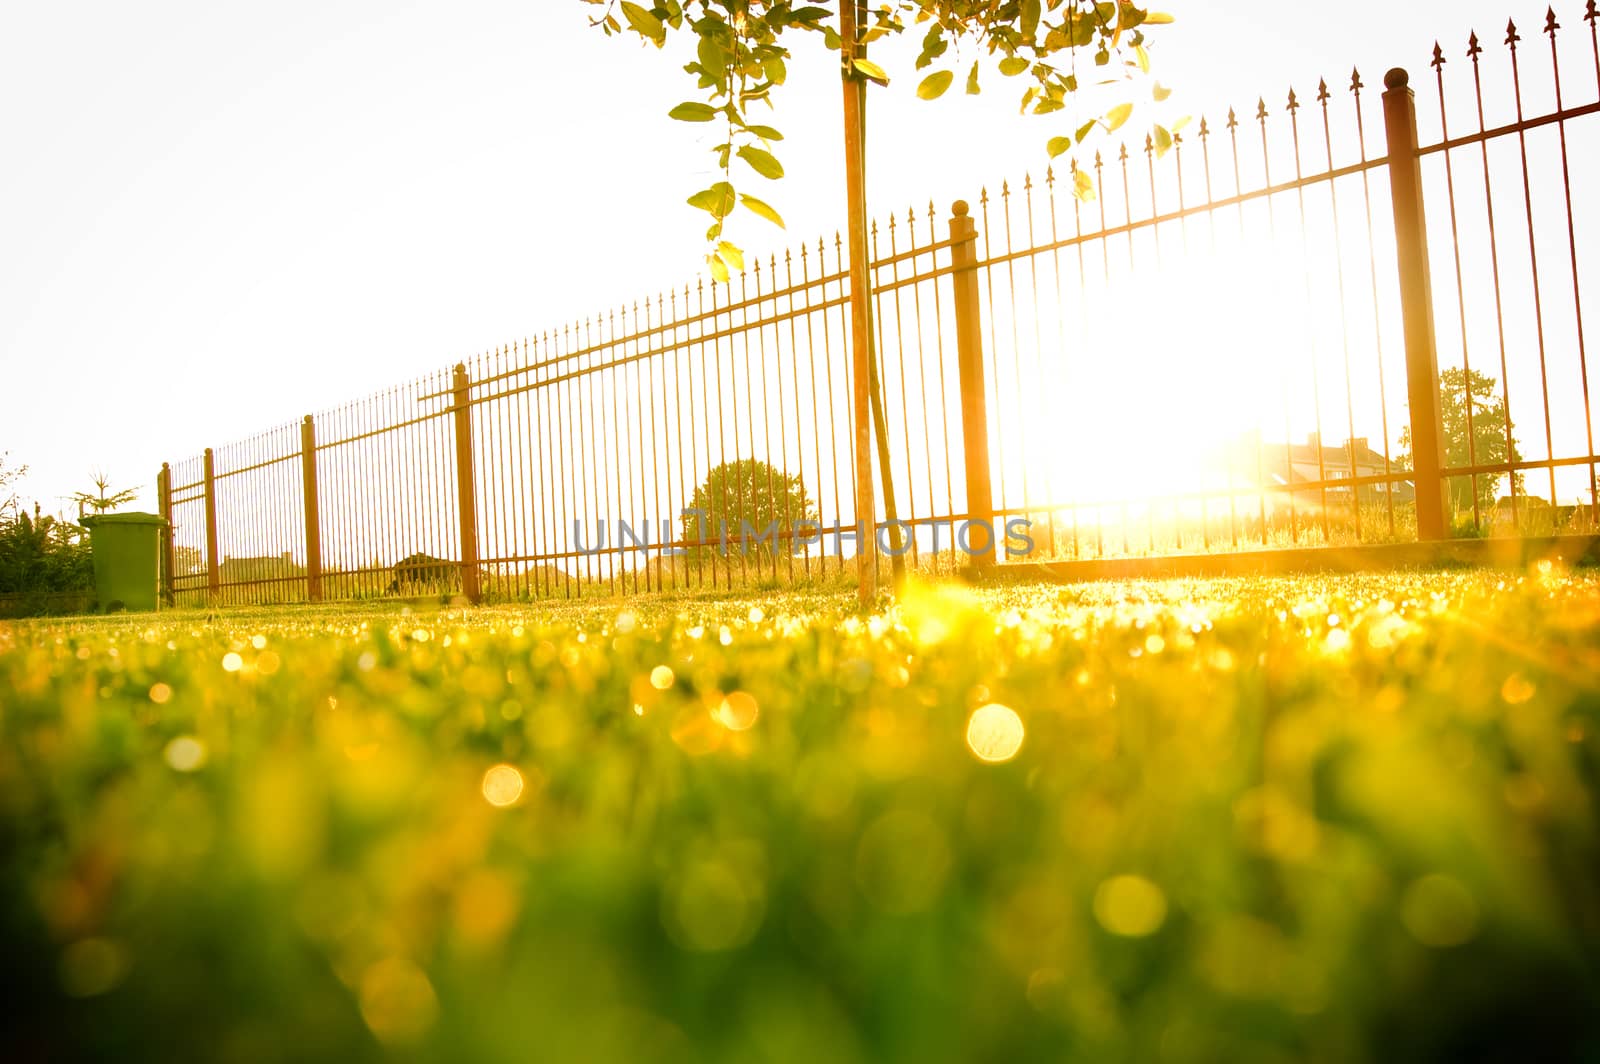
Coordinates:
[134,518]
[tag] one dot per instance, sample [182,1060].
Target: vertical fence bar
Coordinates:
[1416,301]
[213,572]
[466,486]
[969,367]
[168,554]
[308,475]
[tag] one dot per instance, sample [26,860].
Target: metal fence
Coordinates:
[1349,318]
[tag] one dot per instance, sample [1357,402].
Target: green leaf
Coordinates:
[1013,66]
[1117,116]
[731,254]
[645,23]
[765,132]
[972,81]
[1082,184]
[762,162]
[1030,18]
[871,71]
[762,210]
[934,85]
[772,66]
[1058,145]
[691,111]
[716,200]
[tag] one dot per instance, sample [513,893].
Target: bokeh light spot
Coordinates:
[738,711]
[185,753]
[1130,906]
[502,786]
[661,677]
[994,733]
[397,1001]
[1439,912]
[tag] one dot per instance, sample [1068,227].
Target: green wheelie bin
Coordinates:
[126,549]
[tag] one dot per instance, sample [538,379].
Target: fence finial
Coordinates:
[1474,49]
[1512,36]
[1261,109]
[1396,78]
[1294,102]
[1355,81]
[1591,13]
[1323,94]
[1438,56]
[1550,23]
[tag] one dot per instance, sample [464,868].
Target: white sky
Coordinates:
[217,217]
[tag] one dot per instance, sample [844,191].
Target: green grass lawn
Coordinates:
[1324,819]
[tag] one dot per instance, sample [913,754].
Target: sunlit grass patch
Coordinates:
[1338,817]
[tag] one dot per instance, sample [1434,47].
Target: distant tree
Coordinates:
[750,496]
[103,499]
[1484,443]
[8,482]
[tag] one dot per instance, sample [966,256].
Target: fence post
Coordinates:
[308,478]
[213,565]
[164,493]
[466,486]
[1416,303]
[969,364]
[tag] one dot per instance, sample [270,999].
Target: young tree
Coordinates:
[751,498]
[1487,440]
[103,499]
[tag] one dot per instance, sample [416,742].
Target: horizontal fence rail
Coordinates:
[1342,316]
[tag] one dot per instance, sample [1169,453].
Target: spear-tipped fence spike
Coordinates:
[1205,130]
[1122,155]
[1261,109]
[1591,13]
[1438,56]
[1474,49]
[1005,189]
[1050,177]
[1355,80]
[1294,102]
[1098,161]
[1233,119]
[1550,23]
[1027,182]
[1149,143]
[1322,92]
[1512,36]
